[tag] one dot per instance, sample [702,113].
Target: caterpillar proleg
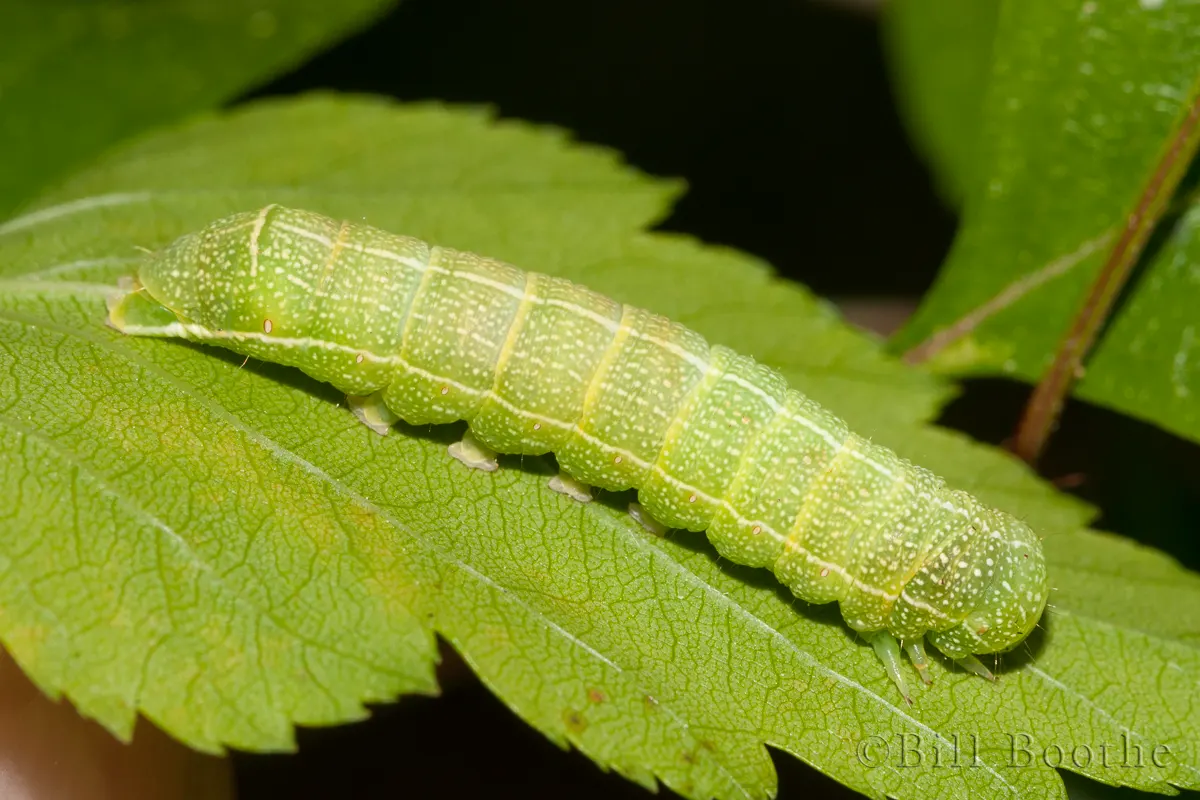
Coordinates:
[625,399]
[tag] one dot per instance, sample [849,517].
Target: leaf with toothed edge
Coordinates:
[227,550]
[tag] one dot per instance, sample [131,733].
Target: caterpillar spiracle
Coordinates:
[625,399]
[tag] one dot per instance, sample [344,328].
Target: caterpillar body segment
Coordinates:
[625,399]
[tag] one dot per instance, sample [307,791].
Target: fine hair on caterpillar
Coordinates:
[625,399]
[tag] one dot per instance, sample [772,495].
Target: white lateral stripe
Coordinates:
[921,604]
[506,288]
[187,330]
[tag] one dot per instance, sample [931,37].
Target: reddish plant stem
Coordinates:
[1045,405]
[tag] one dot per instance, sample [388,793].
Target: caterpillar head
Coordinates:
[192,282]
[1003,583]
[283,286]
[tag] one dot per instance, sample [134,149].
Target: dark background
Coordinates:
[779,115]
[776,112]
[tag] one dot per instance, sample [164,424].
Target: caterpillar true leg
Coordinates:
[565,484]
[372,412]
[916,654]
[888,650]
[474,454]
[971,664]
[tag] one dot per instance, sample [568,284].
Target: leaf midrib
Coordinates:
[284,454]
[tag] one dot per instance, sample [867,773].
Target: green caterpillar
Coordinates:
[625,399]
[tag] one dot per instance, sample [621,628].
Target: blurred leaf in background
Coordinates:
[940,59]
[77,75]
[1084,107]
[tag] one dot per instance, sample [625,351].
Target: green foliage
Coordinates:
[78,75]
[940,60]
[225,549]
[1082,102]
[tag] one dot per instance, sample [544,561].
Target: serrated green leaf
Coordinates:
[940,58]
[78,75]
[1084,102]
[223,547]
